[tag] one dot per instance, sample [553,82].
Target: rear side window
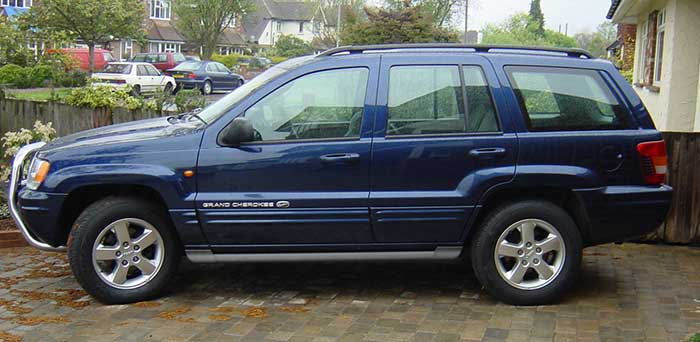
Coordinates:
[560,99]
[323,105]
[432,100]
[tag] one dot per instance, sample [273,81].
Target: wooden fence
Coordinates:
[682,224]
[683,221]
[16,114]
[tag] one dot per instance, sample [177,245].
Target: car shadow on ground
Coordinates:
[369,280]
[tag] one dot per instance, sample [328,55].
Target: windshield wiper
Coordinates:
[185,116]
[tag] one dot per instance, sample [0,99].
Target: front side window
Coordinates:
[160,9]
[152,70]
[323,105]
[431,100]
[559,99]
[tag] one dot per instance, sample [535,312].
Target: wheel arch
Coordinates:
[561,196]
[79,198]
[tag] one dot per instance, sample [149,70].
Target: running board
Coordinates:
[206,256]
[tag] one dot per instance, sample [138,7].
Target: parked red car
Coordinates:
[161,60]
[81,56]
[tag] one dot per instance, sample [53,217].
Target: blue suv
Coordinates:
[513,158]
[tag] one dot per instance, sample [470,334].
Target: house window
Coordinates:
[160,9]
[127,49]
[641,69]
[660,33]
[279,26]
[164,47]
[16,3]
[301,27]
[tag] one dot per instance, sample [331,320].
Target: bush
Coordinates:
[694,337]
[290,46]
[188,100]
[74,78]
[277,59]
[12,141]
[103,97]
[228,60]
[39,74]
[13,74]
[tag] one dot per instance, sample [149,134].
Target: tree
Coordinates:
[203,21]
[13,44]
[92,21]
[519,30]
[597,42]
[440,11]
[290,46]
[537,17]
[405,25]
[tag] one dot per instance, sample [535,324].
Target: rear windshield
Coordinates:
[116,69]
[188,66]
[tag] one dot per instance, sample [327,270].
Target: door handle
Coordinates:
[489,152]
[340,158]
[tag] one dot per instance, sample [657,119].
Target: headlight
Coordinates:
[38,170]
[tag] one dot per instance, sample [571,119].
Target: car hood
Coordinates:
[131,132]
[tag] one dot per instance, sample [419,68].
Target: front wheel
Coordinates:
[527,253]
[123,250]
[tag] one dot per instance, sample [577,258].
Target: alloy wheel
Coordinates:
[529,254]
[128,253]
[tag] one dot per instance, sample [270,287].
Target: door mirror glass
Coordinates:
[240,130]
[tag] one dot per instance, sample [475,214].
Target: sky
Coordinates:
[582,15]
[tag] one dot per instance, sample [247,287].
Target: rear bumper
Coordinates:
[188,84]
[617,213]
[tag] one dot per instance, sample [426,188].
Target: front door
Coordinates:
[440,145]
[305,181]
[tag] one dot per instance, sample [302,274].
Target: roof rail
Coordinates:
[570,52]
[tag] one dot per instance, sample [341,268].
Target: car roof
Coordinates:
[131,63]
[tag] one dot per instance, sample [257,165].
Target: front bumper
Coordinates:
[38,214]
[616,213]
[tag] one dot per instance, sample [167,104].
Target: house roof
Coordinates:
[162,30]
[231,38]
[613,7]
[265,10]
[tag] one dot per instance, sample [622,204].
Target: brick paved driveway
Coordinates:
[628,292]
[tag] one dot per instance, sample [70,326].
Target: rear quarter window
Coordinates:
[563,99]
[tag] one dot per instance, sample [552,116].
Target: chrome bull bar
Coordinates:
[15,179]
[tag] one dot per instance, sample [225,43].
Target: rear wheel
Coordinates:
[206,88]
[169,88]
[239,83]
[527,253]
[123,250]
[136,90]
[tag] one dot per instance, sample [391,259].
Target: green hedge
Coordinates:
[40,75]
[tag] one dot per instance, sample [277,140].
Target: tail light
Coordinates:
[119,81]
[191,75]
[654,161]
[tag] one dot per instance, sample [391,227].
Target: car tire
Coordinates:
[105,256]
[136,90]
[207,88]
[239,83]
[527,253]
[169,88]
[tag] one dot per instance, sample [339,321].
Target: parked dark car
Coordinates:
[515,158]
[161,60]
[207,76]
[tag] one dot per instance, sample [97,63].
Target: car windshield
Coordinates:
[145,58]
[116,69]
[188,66]
[221,107]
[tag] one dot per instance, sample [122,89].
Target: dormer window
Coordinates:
[160,9]
[16,3]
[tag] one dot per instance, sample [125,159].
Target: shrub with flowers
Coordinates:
[13,141]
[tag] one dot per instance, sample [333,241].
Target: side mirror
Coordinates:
[240,130]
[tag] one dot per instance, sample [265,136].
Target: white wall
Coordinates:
[675,107]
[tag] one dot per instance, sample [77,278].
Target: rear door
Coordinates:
[439,144]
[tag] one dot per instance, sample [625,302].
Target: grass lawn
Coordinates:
[39,94]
